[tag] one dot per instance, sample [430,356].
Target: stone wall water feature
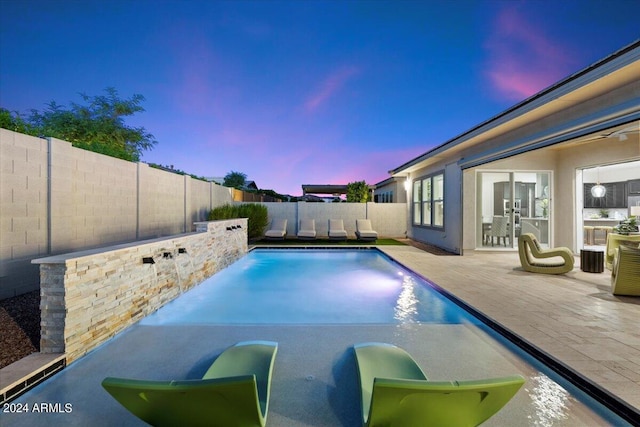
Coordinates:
[87,297]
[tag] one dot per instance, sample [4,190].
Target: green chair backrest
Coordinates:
[416,403]
[223,402]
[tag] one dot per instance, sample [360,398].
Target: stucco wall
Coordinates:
[55,198]
[448,237]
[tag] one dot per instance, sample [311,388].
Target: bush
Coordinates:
[257,215]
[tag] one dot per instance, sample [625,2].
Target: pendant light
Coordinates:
[598,190]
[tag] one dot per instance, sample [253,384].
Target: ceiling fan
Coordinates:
[621,134]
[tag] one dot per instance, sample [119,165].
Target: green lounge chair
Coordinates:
[395,392]
[233,392]
[625,276]
[530,251]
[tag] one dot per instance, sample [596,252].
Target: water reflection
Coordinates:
[550,401]
[406,309]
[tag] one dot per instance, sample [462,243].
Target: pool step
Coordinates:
[28,372]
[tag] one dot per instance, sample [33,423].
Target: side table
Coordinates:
[591,261]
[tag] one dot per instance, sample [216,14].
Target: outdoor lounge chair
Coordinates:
[395,392]
[529,250]
[364,230]
[233,392]
[278,229]
[307,230]
[625,276]
[336,230]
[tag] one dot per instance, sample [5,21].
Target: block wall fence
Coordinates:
[55,198]
[388,219]
[89,296]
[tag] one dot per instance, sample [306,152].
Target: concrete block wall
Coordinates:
[56,198]
[87,297]
[388,219]
[93,198]
[23,208]
[162,202]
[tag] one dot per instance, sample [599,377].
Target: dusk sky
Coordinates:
[302,92]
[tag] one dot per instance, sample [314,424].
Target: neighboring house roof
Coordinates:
[250,185]
[614,71]
[323,189]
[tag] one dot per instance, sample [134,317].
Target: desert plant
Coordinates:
[256,214]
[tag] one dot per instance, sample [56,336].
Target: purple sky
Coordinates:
[302,92]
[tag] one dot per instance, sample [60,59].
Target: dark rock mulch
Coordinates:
[19,327]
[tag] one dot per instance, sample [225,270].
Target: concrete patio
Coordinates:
[572,317]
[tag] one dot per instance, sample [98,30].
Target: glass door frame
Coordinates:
[534,204]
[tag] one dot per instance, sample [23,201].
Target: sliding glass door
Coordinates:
[511,203]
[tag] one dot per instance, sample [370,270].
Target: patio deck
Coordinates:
[573,317]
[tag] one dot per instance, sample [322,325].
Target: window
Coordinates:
[417,191]
[428,201]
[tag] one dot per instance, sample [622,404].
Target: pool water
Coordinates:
[311,287]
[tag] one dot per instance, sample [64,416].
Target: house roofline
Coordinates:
[496,120]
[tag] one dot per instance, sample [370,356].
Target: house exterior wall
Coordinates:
[448,237]
[536,136]
[56,198]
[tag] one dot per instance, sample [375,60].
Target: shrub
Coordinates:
[257,216]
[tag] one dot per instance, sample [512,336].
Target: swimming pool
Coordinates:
[311,286]
[314,382]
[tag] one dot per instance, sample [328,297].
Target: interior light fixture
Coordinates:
[598,190]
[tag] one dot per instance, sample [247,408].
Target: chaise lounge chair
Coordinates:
[625,276]
[364,230]
[529,250]
[278,229]
[233,392]
[307,230]
[336,230]
[395,392]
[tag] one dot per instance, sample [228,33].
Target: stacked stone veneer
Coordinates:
[89,296]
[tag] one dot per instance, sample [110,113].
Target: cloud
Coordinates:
[522,59]
[329,87]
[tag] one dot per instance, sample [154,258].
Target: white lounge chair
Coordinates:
[307,230]
[278,229]
[336,230]
[364,230]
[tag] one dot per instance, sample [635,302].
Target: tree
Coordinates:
[235,179]
[357,192]
[12,122]
[97,126]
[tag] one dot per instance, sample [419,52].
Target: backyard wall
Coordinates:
[89,296]
[388,219]
[56,198]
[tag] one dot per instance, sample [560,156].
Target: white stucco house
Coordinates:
[534,164]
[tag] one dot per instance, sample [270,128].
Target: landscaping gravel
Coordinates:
[19,327]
